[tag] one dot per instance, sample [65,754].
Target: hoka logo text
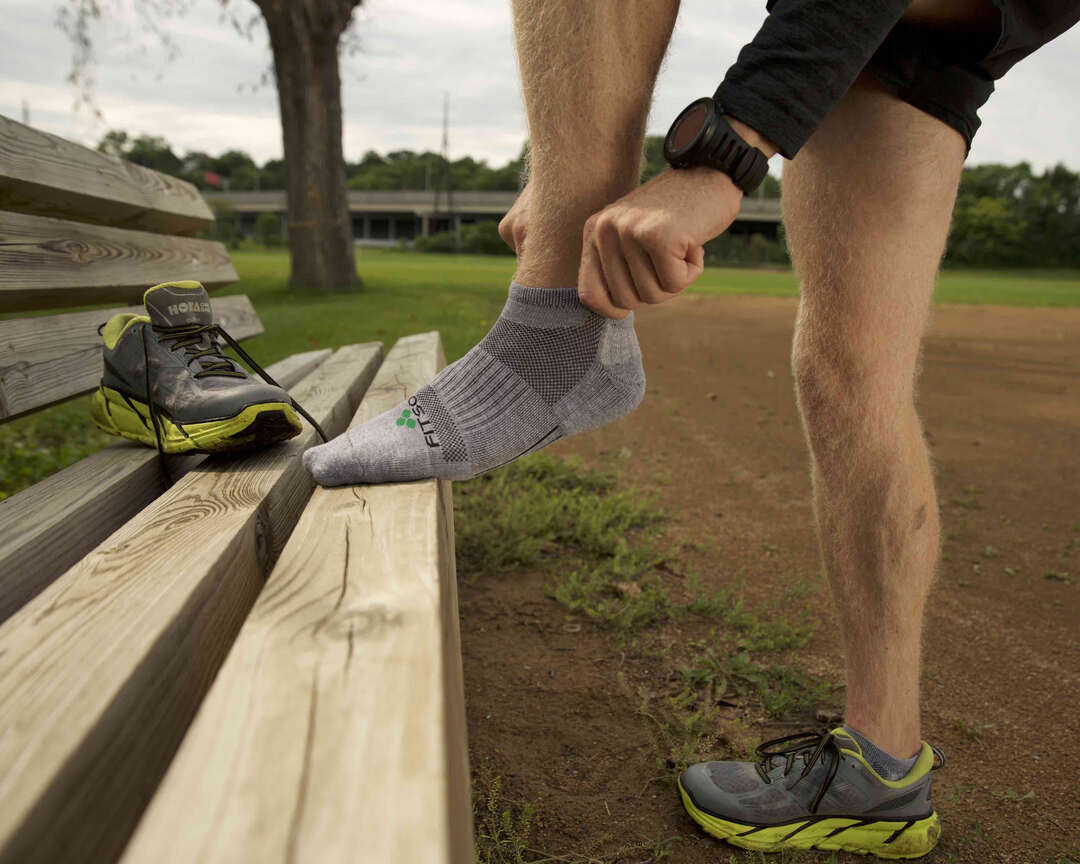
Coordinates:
[189,306]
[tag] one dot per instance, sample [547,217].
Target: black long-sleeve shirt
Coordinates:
[809,52]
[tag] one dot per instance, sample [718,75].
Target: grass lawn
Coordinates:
[406,293]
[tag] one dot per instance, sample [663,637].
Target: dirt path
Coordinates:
[553,705]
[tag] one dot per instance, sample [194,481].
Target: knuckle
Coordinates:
[651,233]
[606,223]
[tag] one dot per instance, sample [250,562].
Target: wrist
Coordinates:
[752,136]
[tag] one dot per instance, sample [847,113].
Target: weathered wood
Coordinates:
[47,528]
[48,176]
[101,673]
[45,263]
[335,730]
[49,359]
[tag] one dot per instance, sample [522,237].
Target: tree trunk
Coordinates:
[304,38]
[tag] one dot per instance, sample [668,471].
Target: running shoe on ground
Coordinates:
[815,791]
[168,384]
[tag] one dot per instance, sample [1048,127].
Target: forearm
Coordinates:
[801,62]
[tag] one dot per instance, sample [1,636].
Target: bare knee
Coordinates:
[853,394]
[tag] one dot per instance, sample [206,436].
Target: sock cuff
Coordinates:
[550,298]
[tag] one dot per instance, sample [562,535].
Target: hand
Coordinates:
[512,225]
[649,245]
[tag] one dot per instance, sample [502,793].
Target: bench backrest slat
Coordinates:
[46,175]
[49,359]
[45,263]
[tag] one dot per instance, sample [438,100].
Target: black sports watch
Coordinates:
[701,136]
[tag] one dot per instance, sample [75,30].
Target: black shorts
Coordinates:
[950,75]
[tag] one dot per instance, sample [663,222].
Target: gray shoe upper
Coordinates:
[185,387]
[735,791]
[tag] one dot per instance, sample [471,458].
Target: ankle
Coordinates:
[897,740]
[888,764]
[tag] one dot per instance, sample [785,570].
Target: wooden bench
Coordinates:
[218,665]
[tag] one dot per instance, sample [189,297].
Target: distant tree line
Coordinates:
[1005,216]
[235,170]
[1009,216]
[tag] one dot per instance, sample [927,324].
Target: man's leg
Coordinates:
[549,368]
[867,204]
[587,71]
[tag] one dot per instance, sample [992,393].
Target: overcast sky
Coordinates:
[411,53]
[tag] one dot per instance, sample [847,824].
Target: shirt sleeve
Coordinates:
[801,62]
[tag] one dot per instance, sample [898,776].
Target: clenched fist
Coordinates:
[648,246]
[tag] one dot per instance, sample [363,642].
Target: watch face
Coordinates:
[688,131]
[687,127]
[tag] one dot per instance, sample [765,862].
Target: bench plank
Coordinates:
[47,528]
[335,730]
[48,176]
[52,358]
[45,263]
[102,672]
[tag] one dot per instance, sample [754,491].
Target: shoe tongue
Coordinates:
[178,304]
[846,740]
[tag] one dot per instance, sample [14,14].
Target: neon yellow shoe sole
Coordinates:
[884,839]
[255,426]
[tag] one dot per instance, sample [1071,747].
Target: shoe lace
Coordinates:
[199,341]
[812,746]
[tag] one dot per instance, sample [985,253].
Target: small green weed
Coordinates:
[1058,576]
[1012,795]
[960,791]
[678,736]
[973,731]
[711,676]
[503,829]
[970,501]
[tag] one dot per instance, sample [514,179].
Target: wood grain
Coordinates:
[48,359]
[101,673]
[45,263]
[48,176]
[335,731]
[47,528]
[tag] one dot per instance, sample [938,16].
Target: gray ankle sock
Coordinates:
[887,765]
[548,369]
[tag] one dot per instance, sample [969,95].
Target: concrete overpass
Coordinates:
[385,216]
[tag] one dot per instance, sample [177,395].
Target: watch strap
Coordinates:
[740,160]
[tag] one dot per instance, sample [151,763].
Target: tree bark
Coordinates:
[305,37]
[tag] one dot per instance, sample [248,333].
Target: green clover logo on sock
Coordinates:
[406,419]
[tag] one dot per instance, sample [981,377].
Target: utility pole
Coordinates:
[446,182]
[25,113]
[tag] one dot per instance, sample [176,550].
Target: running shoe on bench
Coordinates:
[167,382]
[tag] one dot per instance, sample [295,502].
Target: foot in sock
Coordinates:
[888,766]
[548,369]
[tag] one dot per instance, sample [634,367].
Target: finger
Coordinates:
[695,263]
[506,231]
[643,272]
[592,289]
[675,271]
[620,284]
